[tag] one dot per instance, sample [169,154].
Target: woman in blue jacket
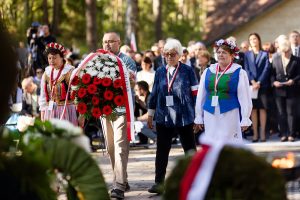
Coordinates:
[172,104]
[257,65]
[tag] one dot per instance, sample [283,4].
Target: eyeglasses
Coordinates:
[109,41]
[172,55]
[222,52]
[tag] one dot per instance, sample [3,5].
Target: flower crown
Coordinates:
[231,44]
[57,46]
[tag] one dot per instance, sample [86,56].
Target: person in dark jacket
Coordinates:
[285,79]
[172,104]
[257,66]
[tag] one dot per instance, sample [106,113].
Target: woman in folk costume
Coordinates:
[223,104]
[54,86]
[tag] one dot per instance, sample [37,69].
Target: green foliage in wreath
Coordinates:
[48,147]
[239,174]
[79,168]
[23,176]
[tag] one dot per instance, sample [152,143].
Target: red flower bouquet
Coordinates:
[97,86]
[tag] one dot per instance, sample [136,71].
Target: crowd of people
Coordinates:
[179,92]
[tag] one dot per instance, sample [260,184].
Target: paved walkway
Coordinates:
[141,166]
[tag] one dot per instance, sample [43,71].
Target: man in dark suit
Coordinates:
[294,39]
[160,60]
[285,78]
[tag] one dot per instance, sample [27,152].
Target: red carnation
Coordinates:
[73,95]
[106,82]
[81,92]
[92,89]
[81,107]
[86,78]
[108,95]
[97,81]
[107,110]
[95,100]
[119,100]
[75,81]
[117,83]
[96,112]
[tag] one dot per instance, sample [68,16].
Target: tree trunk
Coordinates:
[26,13]
[131,19]
[157,11]
[57,8]
[45,12]
[91,24]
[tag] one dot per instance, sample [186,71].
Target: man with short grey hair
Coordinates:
[117,143]
[30,97]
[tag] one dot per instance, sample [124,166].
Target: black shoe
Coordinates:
[116,193]
[156,188]
[127,187]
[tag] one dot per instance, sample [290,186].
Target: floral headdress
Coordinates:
[230,43]
[57,46]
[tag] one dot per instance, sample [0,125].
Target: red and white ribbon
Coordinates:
[198,175]
[126,89]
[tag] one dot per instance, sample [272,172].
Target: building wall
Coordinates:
[282,19]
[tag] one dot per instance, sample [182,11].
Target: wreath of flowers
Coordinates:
[230,43]
[97,89]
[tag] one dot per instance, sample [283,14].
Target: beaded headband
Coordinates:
[57,46]
[231,44]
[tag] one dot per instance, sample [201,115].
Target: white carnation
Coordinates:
[106,69]
[101,75]
[82,141]
[103,57]
[66,125]
[113,58]
[112,74]
[23,123]
[99,65]
[93,72]
[90,63]
[109,63]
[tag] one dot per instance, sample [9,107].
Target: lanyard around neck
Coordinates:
[217,79]
[170,83]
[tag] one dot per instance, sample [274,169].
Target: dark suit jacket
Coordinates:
[292,72]
[258,68]
[240,60]
[297,52]
[158,62]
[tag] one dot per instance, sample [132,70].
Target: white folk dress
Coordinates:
[225,126]
[59,95]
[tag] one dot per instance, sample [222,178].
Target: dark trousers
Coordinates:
[164,142]
[286,115]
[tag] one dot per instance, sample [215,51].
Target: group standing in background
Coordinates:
[263,75]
